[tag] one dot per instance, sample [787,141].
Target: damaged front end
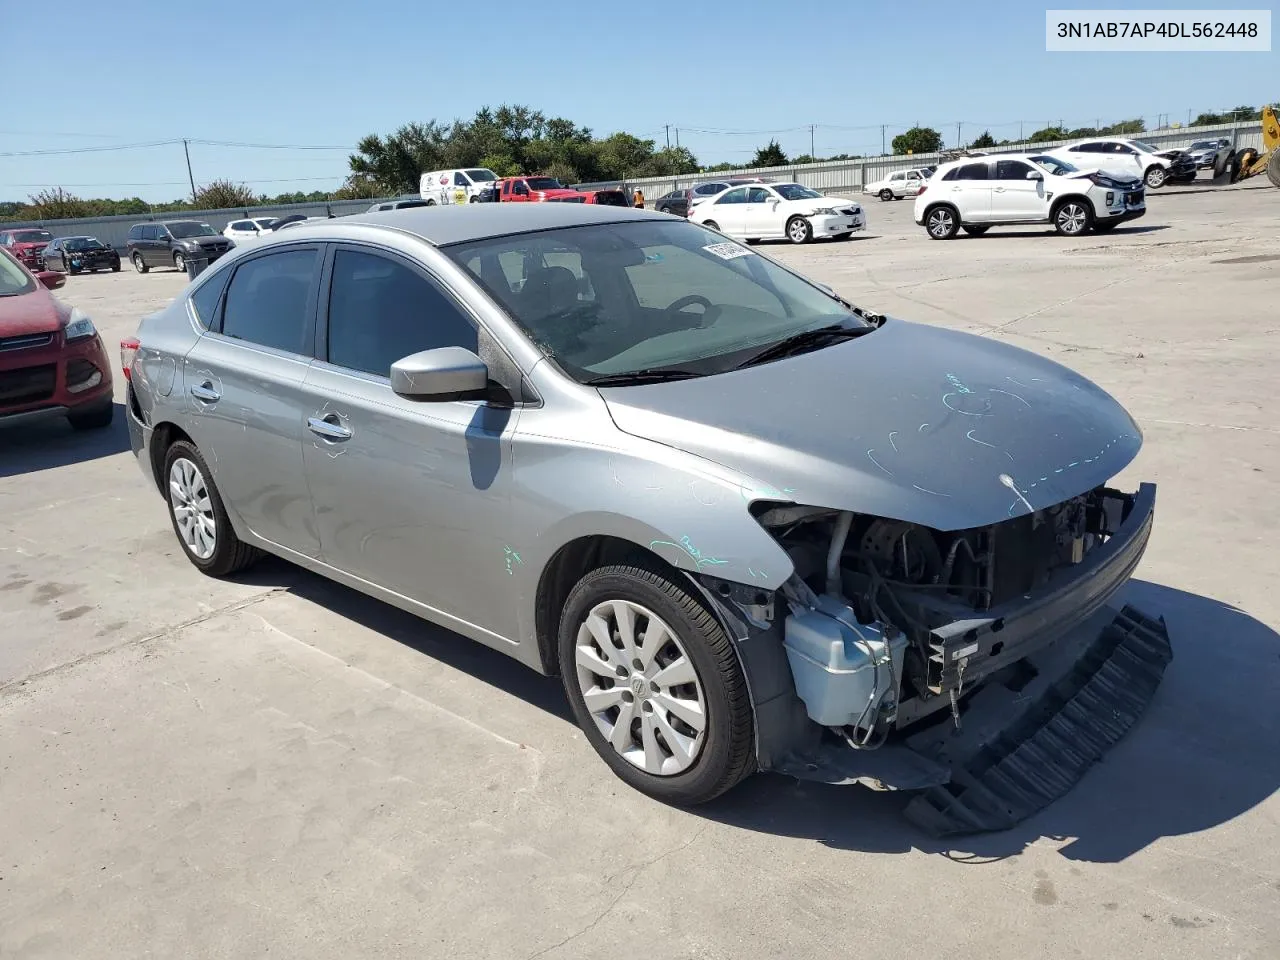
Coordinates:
[983,666]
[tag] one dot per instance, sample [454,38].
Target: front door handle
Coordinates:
[329,428]
[204,391]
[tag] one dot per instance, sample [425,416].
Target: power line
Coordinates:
[183,183]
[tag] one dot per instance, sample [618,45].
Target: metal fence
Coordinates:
[113,231]
[851,175]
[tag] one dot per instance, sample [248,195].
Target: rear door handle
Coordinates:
[204,391]
[329,428]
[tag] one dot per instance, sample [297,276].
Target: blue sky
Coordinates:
[324,73]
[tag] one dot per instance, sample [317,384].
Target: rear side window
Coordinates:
[973,171]
[734,196]
[266,302]
[381,310]
[135,232]
[204,300]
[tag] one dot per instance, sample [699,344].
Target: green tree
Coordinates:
[395,163]
[221,194]
[1048,134]
[918,140]
[983,140]
[770,155]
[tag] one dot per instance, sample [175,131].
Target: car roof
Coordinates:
[460,223]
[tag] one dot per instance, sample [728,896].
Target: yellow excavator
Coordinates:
[1249,162]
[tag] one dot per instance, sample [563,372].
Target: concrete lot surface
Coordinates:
[279,766]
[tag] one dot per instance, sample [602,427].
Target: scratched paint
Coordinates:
[512,559]
[700,559]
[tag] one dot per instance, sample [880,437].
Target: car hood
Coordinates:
[31,245]
[1115,176]
[909,422]
[34,312]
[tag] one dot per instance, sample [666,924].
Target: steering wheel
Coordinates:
[709,310]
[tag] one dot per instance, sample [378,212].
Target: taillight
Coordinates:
[923,188]
[128,350]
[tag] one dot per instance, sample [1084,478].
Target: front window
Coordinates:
[796,191]
[544,183]
[13,279]
[81,244]
[1055,166]
[613,299]
[481,176]
[181,231]
[32,236]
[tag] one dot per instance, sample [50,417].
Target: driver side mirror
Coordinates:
[51,279]
[1035,175]
[446,373]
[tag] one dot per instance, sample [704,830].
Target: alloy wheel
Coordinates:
[941,222]
[1072,218]
[640,687]
[192,508]
[798,230]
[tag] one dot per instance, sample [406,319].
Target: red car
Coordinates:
[52,361]
[27,245]
[537,190]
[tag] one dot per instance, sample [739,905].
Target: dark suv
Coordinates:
[173,243]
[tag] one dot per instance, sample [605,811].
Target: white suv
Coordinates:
[977,193]
[1133,157]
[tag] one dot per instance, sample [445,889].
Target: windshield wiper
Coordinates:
[803,341]
[640,376]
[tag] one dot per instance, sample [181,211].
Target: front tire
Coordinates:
[799,230]
[199,519]
[656,685]
[942,223]
[115,267]
[1155,177]
[139,264]
[1073,218]
[179,262]
[711,224]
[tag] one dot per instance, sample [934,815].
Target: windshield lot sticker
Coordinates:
[728,251]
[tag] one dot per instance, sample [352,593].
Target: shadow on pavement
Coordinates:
[47,444]
[462,653]
[1206,751]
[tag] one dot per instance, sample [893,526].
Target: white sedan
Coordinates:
[252,227]
[774,211]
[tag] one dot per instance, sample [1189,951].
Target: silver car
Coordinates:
[752,526]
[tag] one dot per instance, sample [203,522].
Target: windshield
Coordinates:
[84,243]
[181,231]
[1054,165]
[32,236]
[265,223]
[13,279]
[478,176]
[544,183]
[794,191]
[1145,147]
[617,298]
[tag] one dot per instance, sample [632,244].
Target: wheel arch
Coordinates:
[163,436]
[1082,197]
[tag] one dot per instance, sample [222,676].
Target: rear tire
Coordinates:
[942,222]
[711,224]
[115,267]
[886,194]
[1273,168]
[699,749]
[431,203]
[96,418]
[977,231]
[194,506]
[139,264]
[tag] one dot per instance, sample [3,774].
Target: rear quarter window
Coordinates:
[204,299]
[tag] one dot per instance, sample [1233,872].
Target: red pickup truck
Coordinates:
[534,190]
[27,246]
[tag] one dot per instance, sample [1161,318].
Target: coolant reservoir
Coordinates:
[841,666]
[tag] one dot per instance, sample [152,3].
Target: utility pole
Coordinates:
[958,122]
[812,155]
[882,139]
[677,138]
[187,150]
[1021,138]
[668,129]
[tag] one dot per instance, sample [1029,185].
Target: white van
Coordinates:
[455,186]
